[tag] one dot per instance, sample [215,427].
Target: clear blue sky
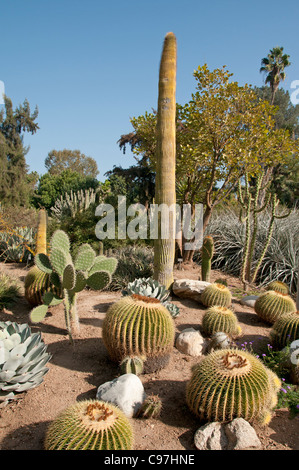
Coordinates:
[91,65]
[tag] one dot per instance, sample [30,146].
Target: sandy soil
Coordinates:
[77,371]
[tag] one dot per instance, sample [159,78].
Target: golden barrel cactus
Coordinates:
[272,304]
[216,294]
[232,383]
[223,319]
[285,330]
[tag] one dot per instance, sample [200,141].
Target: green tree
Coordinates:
[50,187]
[274,67]
[16,184]
[60,160]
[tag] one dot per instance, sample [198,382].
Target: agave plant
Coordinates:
[149,287]
[23,359]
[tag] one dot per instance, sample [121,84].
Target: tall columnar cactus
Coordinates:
[221,319]
[207,253]
[285,330]
[271,305]
[164,247]
[231,383]
[37,282]
[90,425]
[71,276]
[216,294]
[139,326]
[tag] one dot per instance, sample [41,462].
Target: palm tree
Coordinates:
[273,65]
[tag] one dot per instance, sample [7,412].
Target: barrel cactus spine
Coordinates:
[207,253]
[271,305]
[72,276]
[221,319]
[90,425]
[216,294]
[285,330]
[221,387]
[139,326]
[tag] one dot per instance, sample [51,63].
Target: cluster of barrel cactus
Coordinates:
[139,326]
[71,277]
[23,359]
[90,425]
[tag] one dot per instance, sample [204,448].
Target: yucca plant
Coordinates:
[71,276]
[231,383]
[90,425]
[23,359]
[139,326]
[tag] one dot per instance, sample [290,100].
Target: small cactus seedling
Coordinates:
[132,365]
[150,408]
[90,425]
[72,276]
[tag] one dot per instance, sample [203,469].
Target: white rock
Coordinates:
[249,300]
[189,288]
[211,436]
[126,392]
[241,435]
[191,342]
[236,435]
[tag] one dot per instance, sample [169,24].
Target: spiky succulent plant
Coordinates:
[71,276]
[216,294]
[149,287]
[150,408]
[90,425]
[139,326]
[285,330]
[132,365]
[232,383]
[23,359]
[271,305]
[278,286]
[217,319]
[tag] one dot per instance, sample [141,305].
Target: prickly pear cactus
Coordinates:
[90,425]
[71,276]
[139,326]
[271,305]
[231,383]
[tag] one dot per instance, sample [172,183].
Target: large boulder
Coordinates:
[126,392]
[189,288]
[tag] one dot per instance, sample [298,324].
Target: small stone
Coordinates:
[189,288]
[241,435]
[126,392]
[211,436]
[190,342]
[249,300]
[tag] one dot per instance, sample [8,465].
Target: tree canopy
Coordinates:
[60,160]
